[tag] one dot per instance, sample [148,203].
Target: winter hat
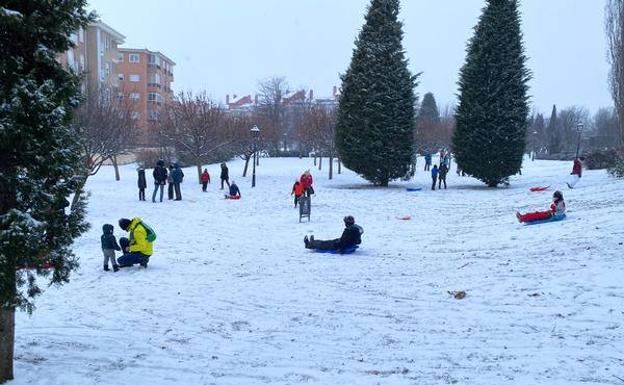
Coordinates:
[557,194]
[160,163]
[107,228]
[124,223]
[349,220]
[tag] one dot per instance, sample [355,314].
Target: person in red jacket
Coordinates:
[557,207]
[577,170]
[297,190]
[306,181]
[205,179]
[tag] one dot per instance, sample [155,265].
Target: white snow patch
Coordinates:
[232,297]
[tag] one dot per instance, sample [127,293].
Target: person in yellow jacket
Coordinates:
[138,248]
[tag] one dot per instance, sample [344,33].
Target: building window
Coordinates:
[152,115]
[154,79]
[82,62]
[120,76]
[135,115]
[120,95]
[120,58]
[134,78]
[133,58]
[153,59]
[154,97]
[134,96]
[107,69]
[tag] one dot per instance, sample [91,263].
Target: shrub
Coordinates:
[617,170]
[602,158]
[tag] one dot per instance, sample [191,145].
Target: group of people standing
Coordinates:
[173,177]
[438,173]
[303,186]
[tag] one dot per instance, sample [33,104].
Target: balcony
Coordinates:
[156,85]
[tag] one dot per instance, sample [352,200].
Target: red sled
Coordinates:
[233,197]
[539,188]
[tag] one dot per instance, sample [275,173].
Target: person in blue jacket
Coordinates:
[177,175]
[434,176]
[234,192]
[427,161]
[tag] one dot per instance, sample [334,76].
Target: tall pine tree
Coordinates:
[429,112]
[375,119]
[490,137]
[39,156]
[555,136]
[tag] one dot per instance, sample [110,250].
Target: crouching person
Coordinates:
[138,247]
[351,236]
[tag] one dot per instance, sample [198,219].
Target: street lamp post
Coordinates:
[255,132]
[579,129]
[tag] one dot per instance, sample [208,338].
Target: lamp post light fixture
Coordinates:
[255,133]
[579,129]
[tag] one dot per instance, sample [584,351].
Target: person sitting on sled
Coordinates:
[351,236]
[557,207]
[234,192]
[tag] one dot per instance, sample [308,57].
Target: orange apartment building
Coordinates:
[145,77]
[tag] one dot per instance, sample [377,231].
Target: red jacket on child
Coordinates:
[306,181]
[297,189]
[577,168]
[205,177]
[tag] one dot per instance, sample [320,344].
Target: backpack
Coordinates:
[151,234]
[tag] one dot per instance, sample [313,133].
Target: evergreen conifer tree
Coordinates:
[490,137]
[555,139]
[429,112]
[375,119]
[39,155]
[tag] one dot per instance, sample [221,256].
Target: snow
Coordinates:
[232,297]
[10,12]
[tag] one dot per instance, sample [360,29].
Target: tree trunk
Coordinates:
[247,159]
[7,342]
[78,193]
[320,163]
[199,171]
[257,159]
[339,166]
[315,158]
[116,167]
[331,166]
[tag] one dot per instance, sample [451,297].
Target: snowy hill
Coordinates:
[232,297]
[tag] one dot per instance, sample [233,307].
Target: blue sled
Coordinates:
[413,188]
[348,250]
[554,218]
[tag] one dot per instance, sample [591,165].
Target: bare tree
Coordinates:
[271,110]
[319,128]
[106,128]
[244,146]
[614,26]
[196,127]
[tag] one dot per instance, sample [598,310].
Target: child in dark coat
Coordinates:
[142,183]
[109,245]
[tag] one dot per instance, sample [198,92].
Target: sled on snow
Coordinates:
[554,218]
[539,188]
[413,188]
[348,250]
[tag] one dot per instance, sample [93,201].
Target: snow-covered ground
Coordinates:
[232,297]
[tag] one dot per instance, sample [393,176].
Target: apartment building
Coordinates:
[145,78]
[94,55]
[102,54]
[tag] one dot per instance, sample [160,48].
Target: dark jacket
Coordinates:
[443,170]
[160,175]
[351,236]
[428,158]
[234,190]
[142,183]
[434,172]
[108,239]
[225,173]
[177,175]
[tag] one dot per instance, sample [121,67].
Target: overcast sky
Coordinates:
[226,46]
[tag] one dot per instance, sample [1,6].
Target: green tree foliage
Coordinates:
[376,120]
[490,137]
[39,155]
